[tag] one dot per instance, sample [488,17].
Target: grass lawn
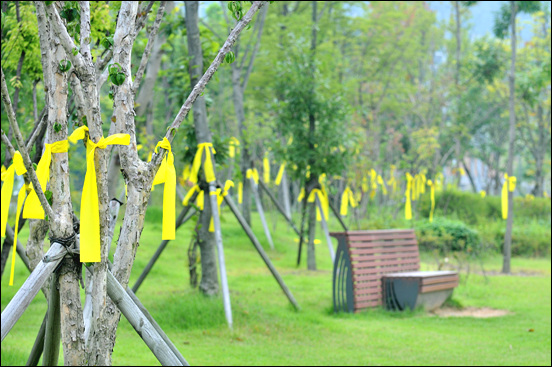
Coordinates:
[267,331]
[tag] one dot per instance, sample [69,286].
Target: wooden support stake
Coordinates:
[338,216]
[220,252]
[140,323]
[157,327]
[53,326]
[325,229]
[179,221]
[279,207]
[261,211]
[30,288]
[285,194]
[38,345]
[261,251]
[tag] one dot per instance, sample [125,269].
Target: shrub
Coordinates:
[447,236]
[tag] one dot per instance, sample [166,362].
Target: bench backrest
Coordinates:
[375,253]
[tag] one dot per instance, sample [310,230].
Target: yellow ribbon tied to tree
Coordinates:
[432,195]
[7,189]
[301,195]
[392,182]
[509,185]
[233,147]
[240,192]
[89,210]
[373,182]
[252,173]
[347,198]
[382,184]
[220,197]
[323,203]
[167,175]
[33,209]
[266,169]
[278,180]
[200,199]
[408,192]
[207,165]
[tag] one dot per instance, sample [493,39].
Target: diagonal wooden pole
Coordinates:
[53,325]
[38,345]
[325,229]
[279,207]
[255,190]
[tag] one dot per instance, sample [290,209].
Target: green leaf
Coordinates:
[57,127]
[230,57]
[64,65]
[49,195]
[75,51]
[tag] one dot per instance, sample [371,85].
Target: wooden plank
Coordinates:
[438,287]
[53,326]
[140,323]
[366,304]
[370,297]
[383,266]
[435,280]
[376,258]
[371,231]
[383,250]
[30,288]
[383,244]
[379,237]
[360,278]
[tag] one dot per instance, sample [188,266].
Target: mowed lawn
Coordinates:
[268,331]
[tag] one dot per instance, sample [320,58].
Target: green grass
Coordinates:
[267,331]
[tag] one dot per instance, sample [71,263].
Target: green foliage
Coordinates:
[64,65]
[71,14]
[229,57]
[503,17]
[189,139]
[116,74]
[447,236]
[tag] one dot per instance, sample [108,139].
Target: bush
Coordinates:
[528,239]
[446,236]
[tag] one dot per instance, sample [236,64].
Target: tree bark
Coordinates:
[511,144]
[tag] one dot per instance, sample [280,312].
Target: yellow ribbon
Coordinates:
[423,181]
[301,195]
[167,175]
[280,174]
[20,199]
[233,147]
[266,170]
[220,197]
[408,205]
[347,198]
[382,184]
[509,185]
[432,194]
[483,193]
[3,173]
[323,202]
[364,185]
[208,164]
[90,249]
[7,189]
[240,192]
[252,173]
[33,209]
[186,173]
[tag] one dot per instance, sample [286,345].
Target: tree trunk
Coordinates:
[209,278]
[511,144]
[311,255]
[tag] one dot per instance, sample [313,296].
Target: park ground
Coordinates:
[267,331]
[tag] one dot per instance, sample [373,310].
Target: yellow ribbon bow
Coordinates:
[167,175]
[90,249]
[432,194]
[346,199]
[483,193]
[323,203]
[408,205]
[233,147]
[382,184]
[200,199]
[266,170]
[509,185]
[252,173]
[207,165]
[220,197]
[278,180]
[16,167]
[33,209]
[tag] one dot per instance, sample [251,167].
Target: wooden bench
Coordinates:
[378,265]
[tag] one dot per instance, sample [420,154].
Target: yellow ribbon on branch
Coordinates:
[89,210]
[266,169]
[408,192]
[252,173]
[323,203]
[200,199]
[33,209]
[373,182]
[301,195]
[509,185]
[220,197]
[382,184]
[278,180]
[233,147]
[207,165]
[167,175]
[240,192]
[347,198]
[432,194]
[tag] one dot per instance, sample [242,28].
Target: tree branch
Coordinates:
[255,49]
[23,150]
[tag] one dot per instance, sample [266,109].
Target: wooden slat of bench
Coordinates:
[362,261]
[382,244]
[383,267]
[442,279]
[361,305]
[374,237]
[438,287]
[373,231]
[383,250]
[368,297]
[360,278]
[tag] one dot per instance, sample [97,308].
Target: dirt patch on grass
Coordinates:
[483,312]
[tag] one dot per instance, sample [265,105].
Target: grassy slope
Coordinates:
[267,330]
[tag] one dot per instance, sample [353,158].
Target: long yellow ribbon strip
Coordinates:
[167,175]
[278,180]
[220,197]
[432,194]
[408,205]
[509,185]
[20,199]
[233,147]
[323,202]
[90,249]
[347,198]
[7,188]
[207,165]
[373,182]
[266,170]
[33,209]
[240,192]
